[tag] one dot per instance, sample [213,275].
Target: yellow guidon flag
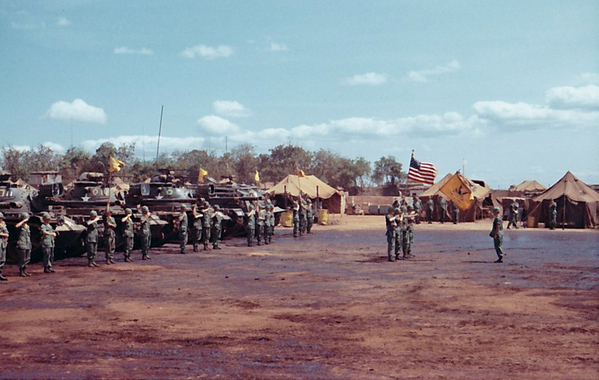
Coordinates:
[115,165]
[300,173]
[257,176]
[459,191]
[201,175]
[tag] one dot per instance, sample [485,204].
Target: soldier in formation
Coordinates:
[206,217]
[182,223]
[260,223]
[417,208]
[296,218]
[48,237]
[250,224]
[269,224]
[442,209]
[391,221]
[497,234]
[455,211]
[146,234]
[109,236]
[552,214]
[309,216]
[430,206]
[3,245]
[24,244]
[128,234]
[513,215]
[217,219]
[91,240]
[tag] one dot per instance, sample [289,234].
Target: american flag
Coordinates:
[424,172]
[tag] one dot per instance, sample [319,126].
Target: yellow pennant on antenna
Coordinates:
[115,165]
[300,173]
[257,176]
[201,175]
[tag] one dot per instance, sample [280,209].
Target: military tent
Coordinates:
[476,211]
[577,204]
[311,186]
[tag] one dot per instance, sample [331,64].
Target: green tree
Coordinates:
[17,163]
[387,171]
[245,163]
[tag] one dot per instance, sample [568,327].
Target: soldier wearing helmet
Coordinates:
[109,236]
[146,234]
[128,234]
[250,226]
[215,234]
[497,234]
[48,236]
[91,240]
[3,245]
[182,222]
[309,216]
[24,244]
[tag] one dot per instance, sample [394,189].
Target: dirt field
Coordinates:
[323,306]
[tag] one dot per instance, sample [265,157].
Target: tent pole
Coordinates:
[285,195]
[564,214]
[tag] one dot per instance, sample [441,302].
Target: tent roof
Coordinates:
[478,191]
[529,186]
[571,187]
[308,185]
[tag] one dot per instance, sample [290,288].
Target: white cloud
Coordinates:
[207,52]
[519,116]
[372,79]
[588,78]
[166,143]
[20,148]
[126,50]
[217,126]
[278,47]
[230,108]
[28,26]
[422,75]
[78,110]
[56,148]
[573,97]
[63,21]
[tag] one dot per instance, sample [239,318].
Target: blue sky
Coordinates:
[512,87]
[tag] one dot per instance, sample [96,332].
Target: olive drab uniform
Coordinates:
[109,238]
[3,245]
[430,206]
[309,217]
[91,243]
[269,223]
[47,246]
[260,222]
[146,235]
[455,213]
[399,232]
[513,216]
[408,236]
[442,209]
[552,214]
[250,225]
[296,218]
[183,225]
[24,248]
[302,218]
[417,208]
[391,223]
[215,234]
[129,238]
[196,225]
[206,216]
[497,235]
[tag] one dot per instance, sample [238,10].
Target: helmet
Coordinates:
[24,215]
[128,211]
[145,209]
[397,211]
[496,209]
[183,207]
[46,216]
[1,215]
[309,200]
[217,207]
[93,214]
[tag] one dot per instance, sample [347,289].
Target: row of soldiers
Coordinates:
[400,232]
[260,223]
[303,217]
[206,226]
[442,209]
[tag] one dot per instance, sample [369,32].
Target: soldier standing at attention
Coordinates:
[217,218]
[552,214]
[408,237]
[455,213]
[391,223]
[91,240]
[497,234]
[146,234]
[417,208]
[251,224]
[309,216]
[430,205]
[260,222]
[206,217]
[442,209]
[513,215]
[182,222]
[3,245]
[24,244]
[196,225]
[399,232]
[296,218]
[109,236]
[269,223]
[128,234]
[302,217]
[48,236]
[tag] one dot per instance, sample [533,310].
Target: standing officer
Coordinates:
[296,218]
[302,217]
[513,215]
[417,208]
[552,214]
[430,206]
[182,221]
[24,244]
[3,245]
[251,224]
[442,209]
[206,217]
[196,225]
[390,223]
[309,216]
[109,236]
[399,232]
[48,236]
[215,234]
[146,234]
[128,234]
[455,213]
[91,239]
[260,222]
[497,234]
[269,223]
[408,236]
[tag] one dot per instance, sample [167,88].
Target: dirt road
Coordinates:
[323,306]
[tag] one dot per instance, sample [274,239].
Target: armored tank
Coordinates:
[163,194]
[17,198]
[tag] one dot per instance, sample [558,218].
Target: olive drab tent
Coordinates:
[481,197]
[312,187]
[577,204]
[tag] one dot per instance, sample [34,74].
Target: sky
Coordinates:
[506,90]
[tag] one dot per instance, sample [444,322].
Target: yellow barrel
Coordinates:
[286,219]
[531,222]
[323,216]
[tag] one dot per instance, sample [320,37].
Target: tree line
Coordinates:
[240,164]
